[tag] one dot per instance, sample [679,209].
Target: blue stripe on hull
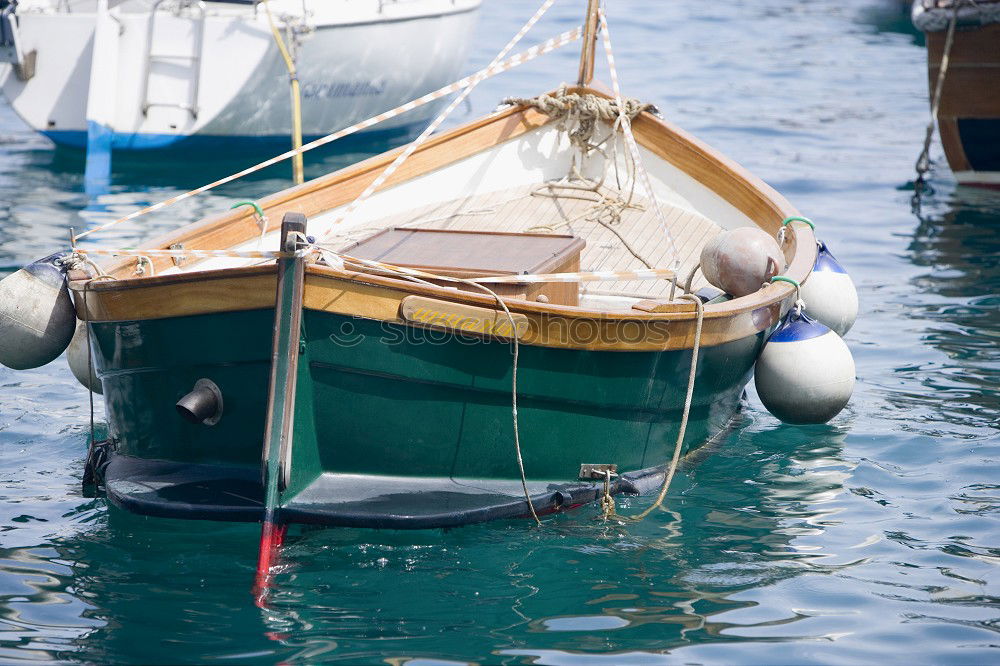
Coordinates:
[99,143]
[139,142]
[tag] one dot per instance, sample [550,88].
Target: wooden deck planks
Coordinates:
[518,210]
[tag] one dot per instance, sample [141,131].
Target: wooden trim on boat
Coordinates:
[378,297]
[381,298]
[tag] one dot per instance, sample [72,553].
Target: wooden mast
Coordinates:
[589,44]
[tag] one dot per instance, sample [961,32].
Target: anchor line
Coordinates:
[441,117]
[506,65]
[923,165]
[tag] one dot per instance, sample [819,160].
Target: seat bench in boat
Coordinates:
[469,254]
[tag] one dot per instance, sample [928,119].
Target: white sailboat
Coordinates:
[148,74]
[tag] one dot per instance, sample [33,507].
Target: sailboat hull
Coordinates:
[219,80]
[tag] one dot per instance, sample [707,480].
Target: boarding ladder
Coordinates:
[10,43]
[193,60]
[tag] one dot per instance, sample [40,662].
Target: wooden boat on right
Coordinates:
[965,37]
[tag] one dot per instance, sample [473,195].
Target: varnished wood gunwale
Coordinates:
[380,298]
[327,289]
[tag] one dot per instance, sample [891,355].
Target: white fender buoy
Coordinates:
[738,261]
[830,294]
[78,357]
[805,373]
[37,319]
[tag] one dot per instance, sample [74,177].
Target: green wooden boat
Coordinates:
[395,359]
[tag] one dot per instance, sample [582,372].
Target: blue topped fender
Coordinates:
[825,261]
[829,292]
[48,270]
[796,326]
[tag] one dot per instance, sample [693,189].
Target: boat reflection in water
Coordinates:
[958,248]
[126,587]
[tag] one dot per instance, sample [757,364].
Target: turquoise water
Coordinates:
[876,538]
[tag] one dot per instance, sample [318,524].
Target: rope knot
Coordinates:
[579,115]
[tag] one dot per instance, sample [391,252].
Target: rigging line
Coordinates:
[510,63]
[515,352]
[630,141]
[416,143]
[923,164]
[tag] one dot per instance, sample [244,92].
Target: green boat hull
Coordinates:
[400,410]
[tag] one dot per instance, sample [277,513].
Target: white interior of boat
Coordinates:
[541,183]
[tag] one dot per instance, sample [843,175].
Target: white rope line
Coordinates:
[416,143]
[630,141]
[594,276]
[923,164]
[492,70]
[581,276]
[181,254]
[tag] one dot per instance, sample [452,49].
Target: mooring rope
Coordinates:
[626,125]
[515,354]
[923,165]
[441,117]
[508,64]
[580,117]
[668,475]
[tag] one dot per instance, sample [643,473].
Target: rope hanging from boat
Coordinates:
[510,63]
[420,140]
[923,165]
[668,475]
[515,352]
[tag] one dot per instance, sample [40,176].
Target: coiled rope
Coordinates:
[579,115]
